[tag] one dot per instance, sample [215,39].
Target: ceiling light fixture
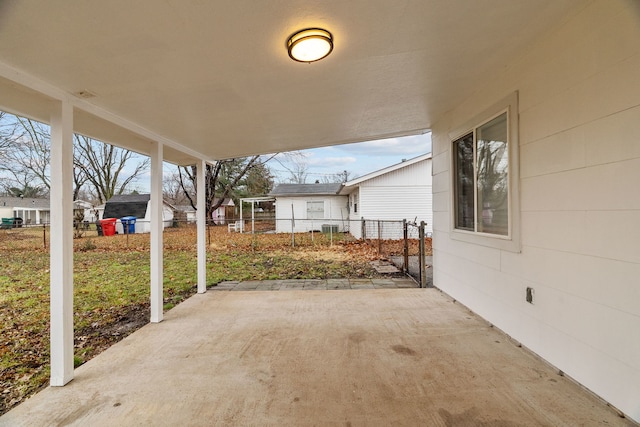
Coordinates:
[310,45]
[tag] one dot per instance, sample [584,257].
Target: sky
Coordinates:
[358,159]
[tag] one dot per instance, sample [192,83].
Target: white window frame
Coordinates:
[511,241]
[316,202]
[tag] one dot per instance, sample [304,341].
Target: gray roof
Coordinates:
[27,202]
[130,198]
[127,205]
[184,208]
[307,189]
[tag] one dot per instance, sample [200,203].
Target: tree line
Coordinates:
[103,170]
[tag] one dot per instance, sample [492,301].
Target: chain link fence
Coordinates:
[300,233]
[390,238]
[400,239]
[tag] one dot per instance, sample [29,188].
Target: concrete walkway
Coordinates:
[317,284]
[414,267]
[315,357]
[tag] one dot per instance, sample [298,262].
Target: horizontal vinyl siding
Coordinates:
[397,203]
[417,174]
[579,107]
[401,194]
[335,212]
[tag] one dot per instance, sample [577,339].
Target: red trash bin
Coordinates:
[108,226]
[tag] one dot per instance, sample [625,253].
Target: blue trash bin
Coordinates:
[128,224]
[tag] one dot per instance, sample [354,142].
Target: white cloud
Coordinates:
[336,162]
[408,146]
[359,158]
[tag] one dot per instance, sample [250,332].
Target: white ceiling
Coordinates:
[212,78]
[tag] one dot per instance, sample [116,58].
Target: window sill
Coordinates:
[504,243]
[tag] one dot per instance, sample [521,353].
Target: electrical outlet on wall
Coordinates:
[530,294]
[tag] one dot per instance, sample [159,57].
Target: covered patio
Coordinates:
[352,357]
[552,83]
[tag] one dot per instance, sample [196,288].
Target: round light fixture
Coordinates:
[309,45]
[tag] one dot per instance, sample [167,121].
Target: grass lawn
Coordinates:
[111,287]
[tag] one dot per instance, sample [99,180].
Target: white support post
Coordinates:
[61,246]
[157,276]
[201,218]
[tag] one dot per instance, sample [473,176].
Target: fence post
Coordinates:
[293,228]
[423,273]
[405,235]
[379,239]
[44,235]
[364,231]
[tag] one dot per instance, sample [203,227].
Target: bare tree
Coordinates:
[25,158]
[173,191]
[7,131]
[104,166]
[223,179]
[296,164]
[342,177]
[25,150]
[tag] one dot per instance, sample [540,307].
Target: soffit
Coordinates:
[212,79]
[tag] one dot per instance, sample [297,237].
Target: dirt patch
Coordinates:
[97,337]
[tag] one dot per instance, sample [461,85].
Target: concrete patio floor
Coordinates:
[316,357]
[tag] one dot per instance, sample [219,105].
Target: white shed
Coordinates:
[307,207]
[401,191]
[136,205]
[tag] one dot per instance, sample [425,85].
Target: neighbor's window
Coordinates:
[481,162]
[315,210]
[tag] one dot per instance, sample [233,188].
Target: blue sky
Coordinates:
[358,159]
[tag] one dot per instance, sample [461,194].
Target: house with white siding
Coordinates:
[310,207]
[31,210]
[138,206]
[536,200]
[395,193]
[36,211]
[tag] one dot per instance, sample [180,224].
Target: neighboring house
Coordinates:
[401,191]
[225,212]
[185,213]
[36,210]
[98,211]
[31,210]
[136,205]
[307,207]
[88,210]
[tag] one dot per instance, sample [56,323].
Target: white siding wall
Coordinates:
[335,212]
[402,194]
[579,91]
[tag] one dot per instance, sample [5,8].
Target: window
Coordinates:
[484,167]
[315,210]
[482,178]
